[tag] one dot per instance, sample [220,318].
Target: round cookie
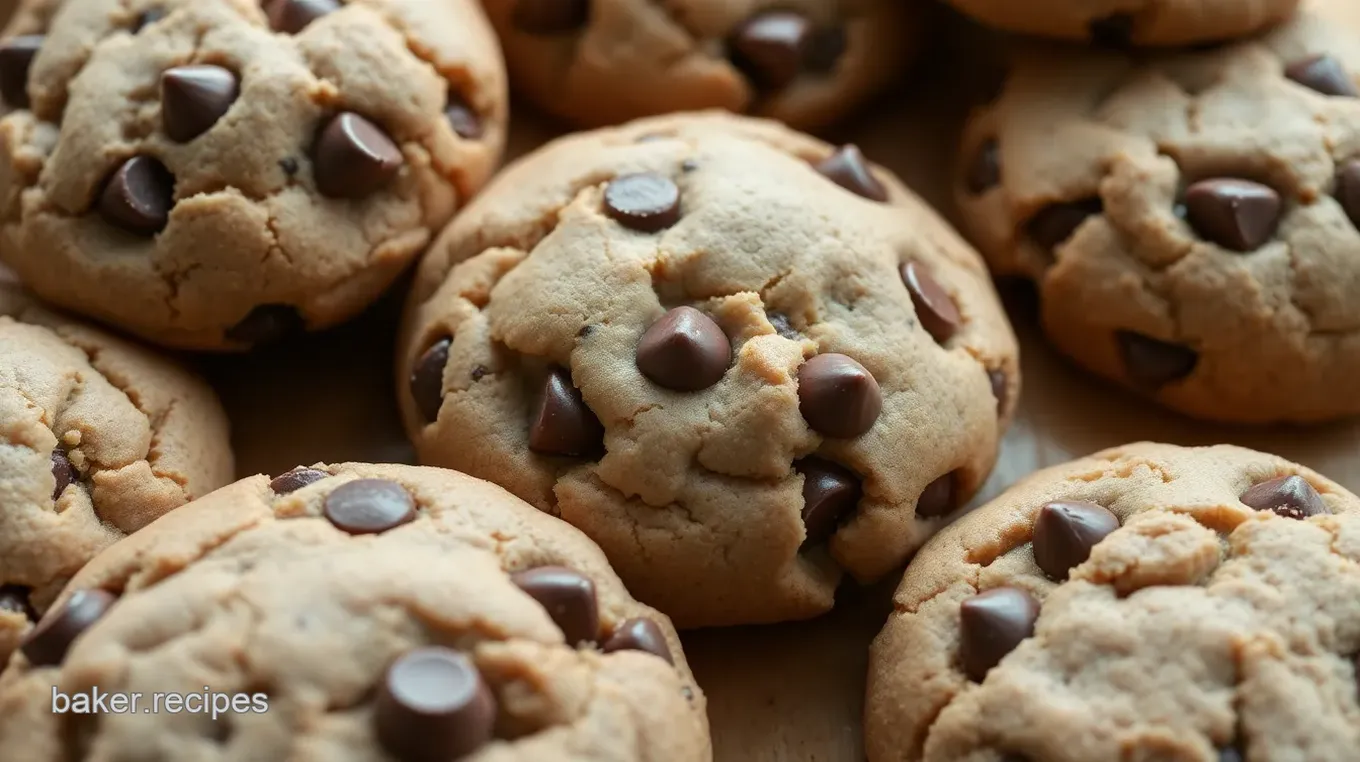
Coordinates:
[1120,23]
[101,438]
[380,612]
[720,348]
[806,62]
[1149,602]
[213,174]
[1191,220]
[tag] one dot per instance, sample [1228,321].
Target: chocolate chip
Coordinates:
[289,165]
[138,197]
[16,58]
[148,17]
[267,324]
[824,49]
[1000,390]
[292,16]
[984,172]
[782,326]
[848,168]
[1114,31]
[480,372]
[551,16]
[685,351]
[563,424]
[63,473]
[369,506]
[434,706]
[689,165]
[427,380]
[991,625]
[354,157]
[770,48]
[569,598]
[937,499]
[1153,363]
[193,98]
[644,201]
[462,118]
[830,493]
[639,635]
[296,479]
[46,645]
[934,306]
[837,396]
[1066,531]
[1239,215]
[14,600]
[1057,222]
[1324,74]
[1230,754]
[1348,189]
[1289,496]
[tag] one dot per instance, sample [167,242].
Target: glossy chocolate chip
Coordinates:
[148,17]
[984,171]
[1114,31]
[937,499]
[562,423]
[770,48]
[848,168]
[824,49]
[296,479]
[138,197]
[837,396]
[267,324]
[1324,74]
[16,58]
[935,308]
[63,473]
[14,600]
[194,98]
[685,351]
[354,158]
[1348,189]
[369,506]
[646,201]
[1056,223]
[292,16]
[462,118]
[46,645]
[1289,496]
[1239,215]
[1000,389]
[1153,363]
[991,625]
[427,380]
[1066,531]
[434,706]
[830,493]
[551,16]
[569,598]
[639,635]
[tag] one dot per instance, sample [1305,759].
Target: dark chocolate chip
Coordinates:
[1057,222]
[569,598]
[984,172]
[16,58]
[354,157]
[289,165]
[369,506]
[14,600]
[193,98]
[689,165]
[848,168]
[1230,754]
[1066,531]
[645,201]
[1239,215]
[1153,363]
[551,16]
[782,326]
[1324,74]
[63,473]
[824,49]
[46,645]
[147,18]
[935,308]
[685,351]
[1289,496]
[639,635]
[771,47]
[296,479]
[434,706]
[427,380]
[292,16]
[1114,31]
[937,499]
[838,397]
[480,372]
[462,118]
[267,324]
[991,625]
[830,493]
[138,197]
[1348,189]
[1000,389]
[563,424]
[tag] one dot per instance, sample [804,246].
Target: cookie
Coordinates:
[738,358]
[1149,602]
[1121,23]
[1190,220]
[213,174]
[101,438]
[807,63]
[379,612]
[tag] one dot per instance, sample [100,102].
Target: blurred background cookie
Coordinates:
[1119,23]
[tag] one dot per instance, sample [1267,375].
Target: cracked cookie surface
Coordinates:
[100,438]
[1119,23]
[1150,602]
[384,612]
[739,359]
[213,174]
[1190,220]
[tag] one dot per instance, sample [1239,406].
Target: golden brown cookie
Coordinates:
[1120,23]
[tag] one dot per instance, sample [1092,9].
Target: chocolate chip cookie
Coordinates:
[740,359]
[101,438]
[1121,23]
[216,174]
[1150,602]
[1190,220]
[381,612]
[807,63]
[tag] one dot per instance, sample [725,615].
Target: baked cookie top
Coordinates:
[383,612]
[1149,602]
[1120,23]
[214,174]
[715,345]
[1191,220]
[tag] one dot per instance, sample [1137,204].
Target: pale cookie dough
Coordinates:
[213,174]
[1120,23]
[380,612]
[804,62]
[99,438]
[714,345]
[1150,603]
[1191,221]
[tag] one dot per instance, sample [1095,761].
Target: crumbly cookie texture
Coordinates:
[1120,23]
[714,345]
[216,174]
[100,438]
[806,63]
[1150,602]
[1191,221]
[384,612]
